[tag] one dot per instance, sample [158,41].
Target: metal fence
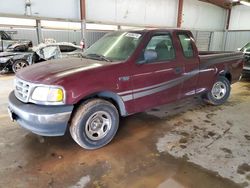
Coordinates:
[202,39]
[220,40]
[205,40]
[73,36]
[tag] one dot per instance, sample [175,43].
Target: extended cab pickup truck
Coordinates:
[123,73]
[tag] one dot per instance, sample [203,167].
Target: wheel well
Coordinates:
[20,60]
[227,75]
[108,96]
[16,60]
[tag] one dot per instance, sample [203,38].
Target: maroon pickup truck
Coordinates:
[123,73]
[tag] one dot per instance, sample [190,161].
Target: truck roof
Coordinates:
[157,29]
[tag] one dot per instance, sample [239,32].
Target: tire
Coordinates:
[19,64]
[219,92]
[94,124]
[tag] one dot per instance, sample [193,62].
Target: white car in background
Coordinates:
[13,60]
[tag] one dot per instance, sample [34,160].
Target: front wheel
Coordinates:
[19,64]
[219,92]
[94,124]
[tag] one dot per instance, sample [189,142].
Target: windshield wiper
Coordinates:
[99,57]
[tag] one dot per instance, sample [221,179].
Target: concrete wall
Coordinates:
[237,39]
[67,9]
[139,12]
[203,16]
[240,18]
[239,33]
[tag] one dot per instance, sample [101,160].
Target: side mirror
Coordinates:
[149,55]
[238,49]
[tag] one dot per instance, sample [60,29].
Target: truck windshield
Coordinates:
[116,46]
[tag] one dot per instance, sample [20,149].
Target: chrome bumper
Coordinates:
[40,119]
[247,68]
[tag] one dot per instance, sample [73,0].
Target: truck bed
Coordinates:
[219,56]
[212,59]
[214,52]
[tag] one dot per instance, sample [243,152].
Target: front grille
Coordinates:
[22,90]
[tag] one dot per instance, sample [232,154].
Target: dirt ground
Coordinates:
[183,145]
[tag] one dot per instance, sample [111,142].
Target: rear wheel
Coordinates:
[219,92]
[19,64]
[94,124]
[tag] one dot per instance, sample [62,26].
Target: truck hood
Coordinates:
[50,72]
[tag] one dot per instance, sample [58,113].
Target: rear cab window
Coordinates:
[186,44]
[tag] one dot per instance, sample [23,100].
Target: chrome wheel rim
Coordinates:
[20,65]
[219,90]
[98,125]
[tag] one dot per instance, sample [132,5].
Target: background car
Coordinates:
[246,51]
[15,58]
[6,41]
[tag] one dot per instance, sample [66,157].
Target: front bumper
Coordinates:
[40,119]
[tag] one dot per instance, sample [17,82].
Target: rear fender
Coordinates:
[226,74]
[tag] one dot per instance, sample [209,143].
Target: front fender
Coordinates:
[107,95]
[27,58]
[116,98]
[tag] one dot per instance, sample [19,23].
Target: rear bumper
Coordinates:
[40,119]
[246,68]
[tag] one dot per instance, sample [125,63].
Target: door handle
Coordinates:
[178,70]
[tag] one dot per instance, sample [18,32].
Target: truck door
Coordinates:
[190,60]
[157,81]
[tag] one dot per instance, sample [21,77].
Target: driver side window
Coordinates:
[163,46]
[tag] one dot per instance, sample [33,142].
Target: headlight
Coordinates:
[4,59]
[47,94]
